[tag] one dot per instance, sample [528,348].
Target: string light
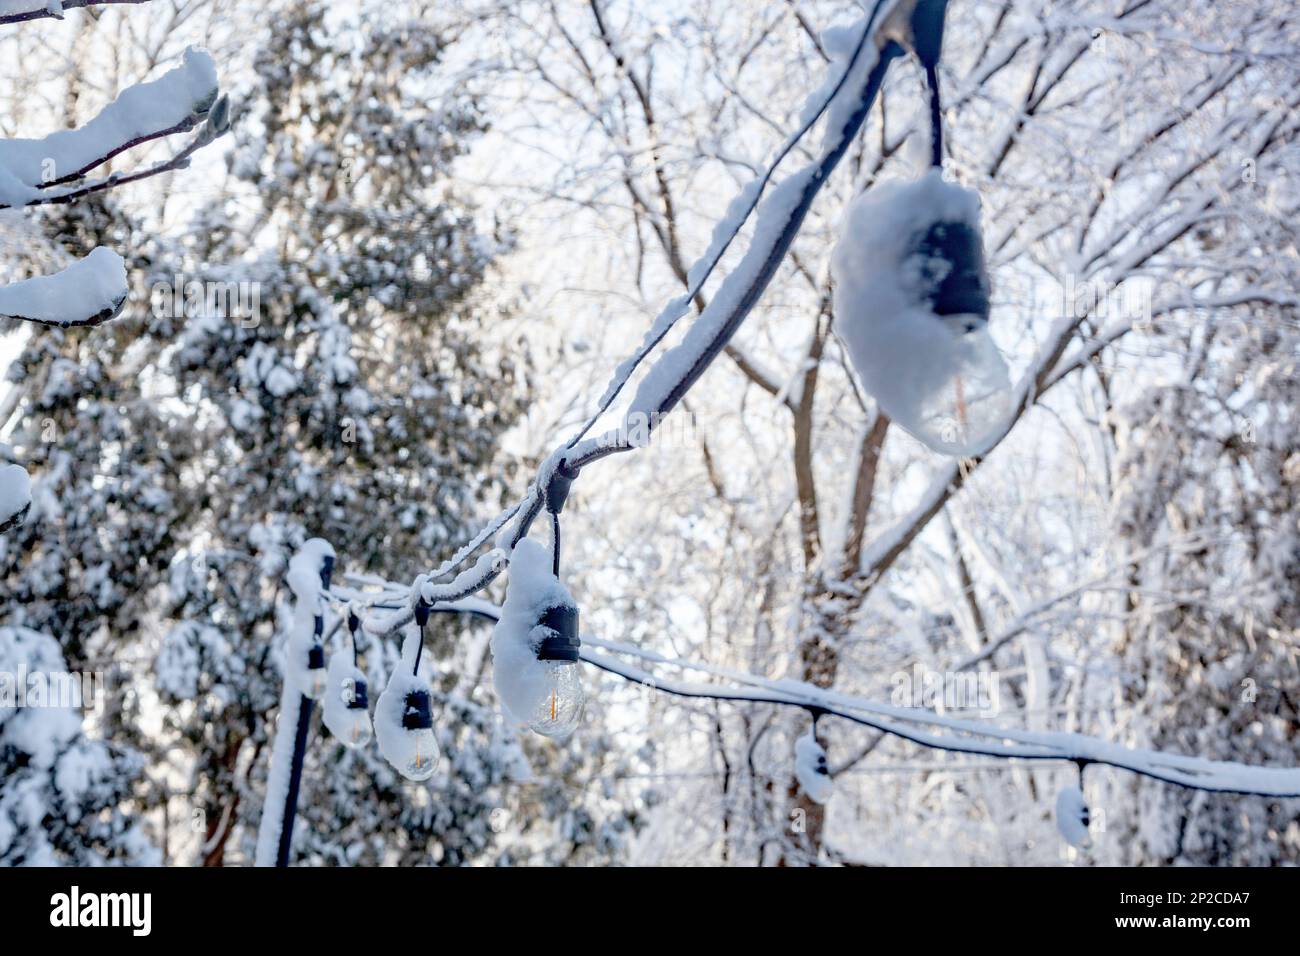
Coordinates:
[307,665]
[347,710]
[417,721]
[1072,815]
[558,712]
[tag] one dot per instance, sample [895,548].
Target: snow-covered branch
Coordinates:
[21,11]
[49,171]
[90,291]
[173,103]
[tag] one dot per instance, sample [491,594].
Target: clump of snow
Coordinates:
[15,495]
[190,650]
[1072,817]
[304,580]
[303,576]
[946,386]
[520,678]
[810,769]
[397,743]
[90,290]
[308,681]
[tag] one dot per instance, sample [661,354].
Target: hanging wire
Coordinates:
[555,544]
[421,618]
[936,115]
[991,748]
[354,625]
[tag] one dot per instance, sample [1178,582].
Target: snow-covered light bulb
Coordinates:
[912,309]
[811,768]
[417,720]
[404,715]
[557,712]
[1073,818]
[359,730]
[347,703]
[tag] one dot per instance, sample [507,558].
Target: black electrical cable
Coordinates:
[354,625]
[555,544]
[936,115]
[421,618]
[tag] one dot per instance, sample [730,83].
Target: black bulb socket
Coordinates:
[557,489]
[963,289]
[562,643]
[360,696]
[418,712]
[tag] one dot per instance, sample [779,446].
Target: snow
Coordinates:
[15,494]
[40,732]
[947,387]
[140,111]
[91,288]
[303,576]
[56,777]
[302,639]
[810,769]
[963,735]
[520,678]
[1072,817]
[404,748]
[263,367]
[277,778]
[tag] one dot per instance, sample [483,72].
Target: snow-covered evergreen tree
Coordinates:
[62,803]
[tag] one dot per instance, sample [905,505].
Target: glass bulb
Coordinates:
[359,730]
[560,709]
[424,755]
[311,683]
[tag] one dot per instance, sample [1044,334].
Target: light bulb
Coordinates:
[557,713]
[358,730]
[423,760]
[311,682]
